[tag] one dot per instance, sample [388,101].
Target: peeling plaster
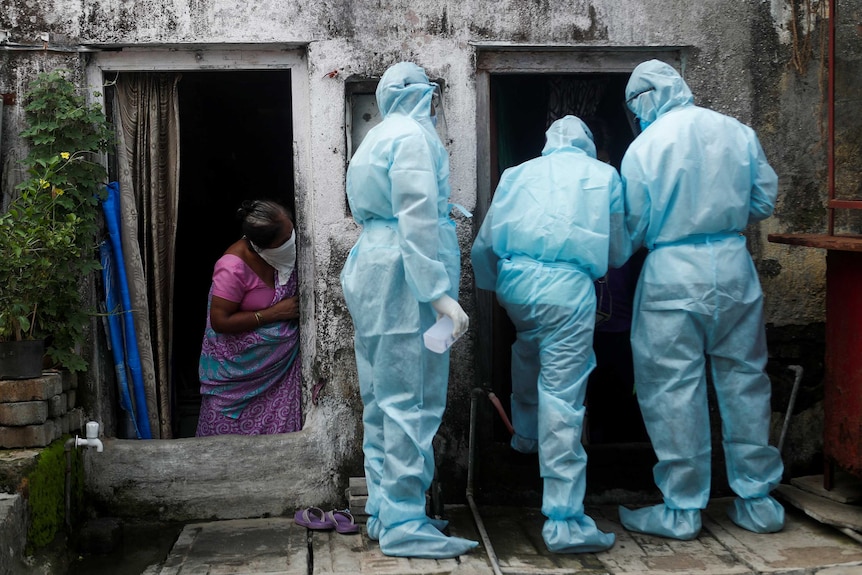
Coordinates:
[782,16]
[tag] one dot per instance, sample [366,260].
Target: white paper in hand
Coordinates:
[439,338]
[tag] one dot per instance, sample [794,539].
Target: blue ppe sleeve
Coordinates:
[637,201]
[620,245]
[764,189]
[482,255]
[414,205]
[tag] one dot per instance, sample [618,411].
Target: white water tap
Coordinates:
[92,439]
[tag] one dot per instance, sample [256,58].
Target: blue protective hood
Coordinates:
[569,132]
[405,89]
[655,88]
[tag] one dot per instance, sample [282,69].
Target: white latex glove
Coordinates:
[445,305]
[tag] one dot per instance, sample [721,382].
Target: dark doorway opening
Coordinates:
[236,143]
[522,107]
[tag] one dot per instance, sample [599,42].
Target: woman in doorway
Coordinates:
[249,366]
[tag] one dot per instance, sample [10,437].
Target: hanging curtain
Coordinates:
[147,116]
[574,95]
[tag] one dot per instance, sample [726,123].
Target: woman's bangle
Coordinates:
[259,317]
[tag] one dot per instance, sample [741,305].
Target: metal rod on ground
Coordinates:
[480,525]
[798,370]
[855,535]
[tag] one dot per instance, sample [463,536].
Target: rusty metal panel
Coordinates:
[843,382]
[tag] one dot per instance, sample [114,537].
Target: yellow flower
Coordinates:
[64,155]
[44,183]
[55,191]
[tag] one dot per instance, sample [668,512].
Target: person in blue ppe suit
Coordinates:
[694,179]
[400,276]
[552,226]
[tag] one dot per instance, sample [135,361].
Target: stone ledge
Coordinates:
[18,413]
[29,435]
[13,532]
[15,465]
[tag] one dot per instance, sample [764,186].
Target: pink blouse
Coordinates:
[235,281]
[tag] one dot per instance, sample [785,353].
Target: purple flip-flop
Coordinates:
[313,518]
[342,521]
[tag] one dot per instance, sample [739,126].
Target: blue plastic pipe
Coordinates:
[111,207]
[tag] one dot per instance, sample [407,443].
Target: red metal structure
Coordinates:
[843,375]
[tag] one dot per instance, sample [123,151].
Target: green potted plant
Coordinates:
[48,234]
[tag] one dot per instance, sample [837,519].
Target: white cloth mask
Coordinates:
[282,258]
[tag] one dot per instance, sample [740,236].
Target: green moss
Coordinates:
[47,493]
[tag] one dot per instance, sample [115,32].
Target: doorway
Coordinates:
[523,107]
[520,92]
[236,143]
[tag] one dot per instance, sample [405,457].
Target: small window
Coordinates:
[361,112]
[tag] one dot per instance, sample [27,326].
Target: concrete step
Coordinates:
[846,488]
[827,511]
[13,532]
[357,497]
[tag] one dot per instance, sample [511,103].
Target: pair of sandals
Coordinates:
[315,518]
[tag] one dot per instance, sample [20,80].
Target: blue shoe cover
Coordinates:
[373,526]
[439,524]
[760,515]
[524,445]
[683,524]
[420,539]
[575,535]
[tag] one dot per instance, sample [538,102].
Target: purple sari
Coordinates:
[250,381]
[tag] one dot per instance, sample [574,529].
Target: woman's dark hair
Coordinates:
[261,220]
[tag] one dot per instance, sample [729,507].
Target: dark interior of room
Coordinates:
[620,456]
[236,143]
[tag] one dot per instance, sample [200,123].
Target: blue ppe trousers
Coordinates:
[671,340]
[551,362]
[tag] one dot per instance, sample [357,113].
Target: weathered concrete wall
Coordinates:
[737,63]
